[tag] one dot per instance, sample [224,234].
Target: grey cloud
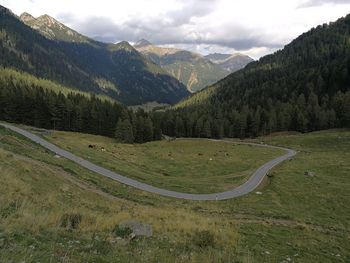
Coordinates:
[174,27]
[312,3]
[192,8]
[159,31]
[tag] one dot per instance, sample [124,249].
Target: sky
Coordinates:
[251,27]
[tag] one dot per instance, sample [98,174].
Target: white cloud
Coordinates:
[312,3]
[253,27]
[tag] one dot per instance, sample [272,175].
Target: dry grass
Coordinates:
[42,195]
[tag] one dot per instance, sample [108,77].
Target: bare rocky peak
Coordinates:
[49,21]
[25,17]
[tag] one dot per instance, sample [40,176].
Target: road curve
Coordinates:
[245,188]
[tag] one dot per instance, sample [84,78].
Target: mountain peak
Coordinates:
[52,28]
[48,20]
[142,43]
[26,17]
[124,45]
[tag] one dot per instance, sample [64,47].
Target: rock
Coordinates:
[57,156]
[138,228]
[308,173]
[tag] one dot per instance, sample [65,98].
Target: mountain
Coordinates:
[142,43]
[190,68]
[303,87]
[115,70]
[52,29]
[230,62]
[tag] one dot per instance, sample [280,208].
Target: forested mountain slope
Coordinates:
[26,99]
[118,71]
[303,87]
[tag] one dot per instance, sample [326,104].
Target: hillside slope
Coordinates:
[190,68]
[117,71]
[297,217]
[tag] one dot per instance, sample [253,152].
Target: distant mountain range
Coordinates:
[118,71]
[66,57]
[230,62]
[192,69]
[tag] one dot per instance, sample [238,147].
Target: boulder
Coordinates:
[138,228]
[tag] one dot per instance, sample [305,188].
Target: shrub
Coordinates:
[70,221]
[203,239]
[122,232]
[9,209]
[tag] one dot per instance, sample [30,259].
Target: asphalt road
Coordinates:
[245,188]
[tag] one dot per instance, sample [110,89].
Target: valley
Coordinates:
[175,131]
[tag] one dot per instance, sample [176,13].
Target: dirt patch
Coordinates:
[264,183]
[283,133]
[250,219]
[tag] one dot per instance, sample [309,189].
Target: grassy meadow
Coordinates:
[187,165]
[302,215]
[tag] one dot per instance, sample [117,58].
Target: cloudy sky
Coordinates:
[253,27]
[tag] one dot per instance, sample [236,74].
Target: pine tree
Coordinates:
[124,131]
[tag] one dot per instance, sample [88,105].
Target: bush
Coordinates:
[122,232]
[203,239]
[9,209]
[70,221]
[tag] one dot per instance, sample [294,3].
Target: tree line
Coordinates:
[301,113]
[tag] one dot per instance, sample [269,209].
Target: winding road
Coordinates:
[245,188]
